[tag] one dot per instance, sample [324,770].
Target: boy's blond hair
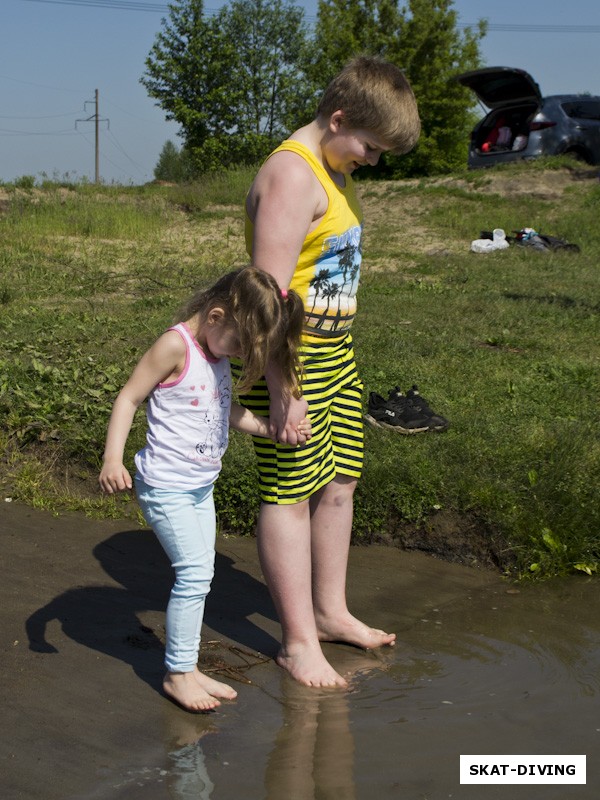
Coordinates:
[375,95]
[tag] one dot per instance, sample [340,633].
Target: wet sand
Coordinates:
[479,668]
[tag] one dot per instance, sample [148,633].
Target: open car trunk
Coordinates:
[514,99]
[504,129]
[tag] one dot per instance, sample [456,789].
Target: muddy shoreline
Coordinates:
[82,624]
[480,666]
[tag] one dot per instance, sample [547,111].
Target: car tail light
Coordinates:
[539,126]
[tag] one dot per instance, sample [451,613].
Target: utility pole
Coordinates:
[95,118]
[97,148]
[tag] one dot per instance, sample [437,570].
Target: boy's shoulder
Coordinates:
[285,171]
[293,163]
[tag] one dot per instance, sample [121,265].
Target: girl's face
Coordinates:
[223,341]
[218,335]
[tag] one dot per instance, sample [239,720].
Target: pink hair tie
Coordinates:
[284,293]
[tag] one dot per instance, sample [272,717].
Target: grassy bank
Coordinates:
[506,345]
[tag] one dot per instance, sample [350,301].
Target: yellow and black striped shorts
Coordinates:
[332,388]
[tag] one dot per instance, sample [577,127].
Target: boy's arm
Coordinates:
[285,410]
[284,203]
[158,363]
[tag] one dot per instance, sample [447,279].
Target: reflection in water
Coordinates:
[310,751]
[313,753]
[553,629]
[478,671]
[188,776]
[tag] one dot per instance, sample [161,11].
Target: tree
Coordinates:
[346,28]
[172,165]
[179,76]
[231,81]
[270,37]
[422,38]
[433,53]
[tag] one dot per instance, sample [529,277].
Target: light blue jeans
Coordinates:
[185,525]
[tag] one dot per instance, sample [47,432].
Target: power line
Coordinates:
[11,132]
[40,85]
[124,5]
[128,157]
[48,116]
[104,156]
[107,158]
[121,5]
[141,5]
[534,28]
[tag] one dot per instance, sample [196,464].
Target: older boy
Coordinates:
[304,227]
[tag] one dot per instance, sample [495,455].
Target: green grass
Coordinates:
[506,345]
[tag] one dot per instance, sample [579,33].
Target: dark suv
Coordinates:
[523,124]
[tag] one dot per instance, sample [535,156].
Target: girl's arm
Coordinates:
[163,360]
[245,421]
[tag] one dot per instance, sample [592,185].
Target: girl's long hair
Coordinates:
[269,323]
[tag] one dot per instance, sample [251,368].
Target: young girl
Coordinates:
[187,377]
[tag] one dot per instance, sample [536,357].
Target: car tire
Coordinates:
[578,156]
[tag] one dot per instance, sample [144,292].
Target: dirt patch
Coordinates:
[395,212]
[453,537]
[446,535]
[551,183]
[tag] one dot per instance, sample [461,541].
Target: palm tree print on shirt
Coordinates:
[337,281]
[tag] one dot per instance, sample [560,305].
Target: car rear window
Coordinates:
[503,89]
[583,109]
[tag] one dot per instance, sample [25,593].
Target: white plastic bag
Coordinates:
[482,246]
[499,239]
[489,245]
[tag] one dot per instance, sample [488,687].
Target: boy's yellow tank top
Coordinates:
[328,270]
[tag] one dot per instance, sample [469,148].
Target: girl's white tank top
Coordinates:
[188,422]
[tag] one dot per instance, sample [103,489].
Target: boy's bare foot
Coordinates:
[184,689]
[213,687]
[353,631]
[308,666]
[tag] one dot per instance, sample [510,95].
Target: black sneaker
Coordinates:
[400,417]
[416,400]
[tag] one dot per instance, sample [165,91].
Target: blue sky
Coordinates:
[56,53]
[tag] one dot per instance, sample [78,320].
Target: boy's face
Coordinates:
[350,148]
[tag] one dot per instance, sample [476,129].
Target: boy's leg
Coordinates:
[284,545]
[296,538]
[331,519]
[331,526]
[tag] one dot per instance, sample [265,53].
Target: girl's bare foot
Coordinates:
[308,666]
[185,690]
[353,631]
[214,688]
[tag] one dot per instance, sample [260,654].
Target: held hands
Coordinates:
[304,428]
[303,432]
[288,421]
[114,477]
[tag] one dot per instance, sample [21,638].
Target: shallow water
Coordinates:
[481,667]
[484,671]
